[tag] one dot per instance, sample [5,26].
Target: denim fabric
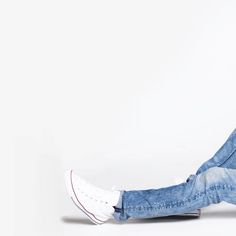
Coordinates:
[214,182]
[224,157]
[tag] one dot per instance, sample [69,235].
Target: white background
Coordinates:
[127,93]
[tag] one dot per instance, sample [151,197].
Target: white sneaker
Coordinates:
[95,202]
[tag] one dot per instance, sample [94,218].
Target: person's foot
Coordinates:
[95,202]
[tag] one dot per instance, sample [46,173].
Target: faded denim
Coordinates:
[214,182]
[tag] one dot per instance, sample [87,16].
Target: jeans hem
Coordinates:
[118,207]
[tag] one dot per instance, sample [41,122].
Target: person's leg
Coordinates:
[211,186]
[224,157]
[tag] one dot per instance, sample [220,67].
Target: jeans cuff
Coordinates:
[118,207]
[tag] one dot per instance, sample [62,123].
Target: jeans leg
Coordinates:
[210,187]
[224,157]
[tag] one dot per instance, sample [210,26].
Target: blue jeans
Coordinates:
[214,182]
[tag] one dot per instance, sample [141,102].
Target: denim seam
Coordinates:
[182,203]
[222,162]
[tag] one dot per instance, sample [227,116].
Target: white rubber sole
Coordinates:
[75,198]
